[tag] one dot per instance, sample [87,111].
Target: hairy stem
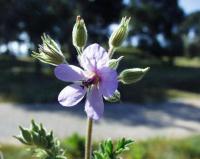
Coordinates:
[111,52]
[88,148]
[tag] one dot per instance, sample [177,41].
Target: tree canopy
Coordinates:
[150,19]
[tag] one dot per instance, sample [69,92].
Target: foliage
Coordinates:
[56,18]
[186,148]
[152,18]
[44,144]
[107,150]
[161,148]
[74,146]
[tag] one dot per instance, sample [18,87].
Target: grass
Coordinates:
[188,148]
[157,148]
[19,82]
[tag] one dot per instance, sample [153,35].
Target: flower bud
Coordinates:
[79,33]
[49,52]
[113,63]
[118,36]
[133,75]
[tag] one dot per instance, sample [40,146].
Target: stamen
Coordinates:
[94,80]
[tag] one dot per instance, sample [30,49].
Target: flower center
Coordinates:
[94,80]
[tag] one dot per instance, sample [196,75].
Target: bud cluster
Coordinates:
[49,147]
[49,52]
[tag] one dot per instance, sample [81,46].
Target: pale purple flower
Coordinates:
[96,80]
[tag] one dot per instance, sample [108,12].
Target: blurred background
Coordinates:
[164,34]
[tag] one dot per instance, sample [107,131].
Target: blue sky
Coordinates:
[190,6]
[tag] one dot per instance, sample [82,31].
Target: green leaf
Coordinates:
[43,142]
[98,155]
[42,131]
[109,148]
[115,98]
[114,63]
[36,138]
[26,135]
[21,140]
[61,157]
[133,75]
[34,126]
[106,149]
[122,145]
[44,145]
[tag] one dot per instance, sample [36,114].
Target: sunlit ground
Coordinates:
[152,149]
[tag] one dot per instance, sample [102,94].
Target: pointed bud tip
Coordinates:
[119,35]
[78,18]
[146,69]
[129,76]
[120,58]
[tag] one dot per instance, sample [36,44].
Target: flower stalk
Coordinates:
[88,146]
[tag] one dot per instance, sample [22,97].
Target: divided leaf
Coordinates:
[44,144]
[107,150]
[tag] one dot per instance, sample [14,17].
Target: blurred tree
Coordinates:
[56,18]
[153,18]
[192,22]
[191,25]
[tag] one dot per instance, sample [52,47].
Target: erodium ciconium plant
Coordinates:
[96,76]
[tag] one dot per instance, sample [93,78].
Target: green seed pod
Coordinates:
[133,75]
[79,33]
[118,36]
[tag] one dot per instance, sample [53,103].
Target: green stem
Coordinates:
[111,52]
[88,148]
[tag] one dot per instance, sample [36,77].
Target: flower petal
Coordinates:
[93,57]
[109,82]
[68,73]
[94,105]
[71,95]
